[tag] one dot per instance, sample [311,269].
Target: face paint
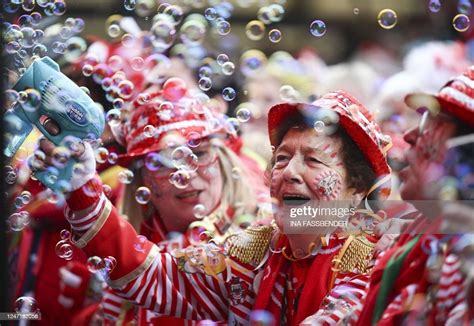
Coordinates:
[328,185]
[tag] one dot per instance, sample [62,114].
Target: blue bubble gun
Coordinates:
[62,102]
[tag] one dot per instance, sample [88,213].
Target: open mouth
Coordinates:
[189,194]
[295,199]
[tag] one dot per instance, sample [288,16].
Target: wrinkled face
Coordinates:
[425,158]
[176,204]
[308,166]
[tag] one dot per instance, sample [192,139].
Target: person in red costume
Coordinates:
[420,279]
[322,274]
[187,183]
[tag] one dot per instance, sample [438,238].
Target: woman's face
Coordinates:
[309,166]
[176,207]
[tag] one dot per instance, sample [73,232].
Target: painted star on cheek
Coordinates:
[328,185]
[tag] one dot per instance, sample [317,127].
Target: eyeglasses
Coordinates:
[162,164]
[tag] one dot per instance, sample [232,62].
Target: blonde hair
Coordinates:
[236,190]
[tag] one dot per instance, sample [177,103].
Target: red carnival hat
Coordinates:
[168,111]
[456,98]
[354,118]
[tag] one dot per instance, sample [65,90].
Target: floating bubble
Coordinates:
[25,21]
[113,158]
[28,5]
[175,12]
[64,250]
[228,68]
[40,50]
[87,70]
[199,211]
[118,103]
[125,176]
[65,234]
[95,264]
[287,93]
[138,63]
[223,27]
[128,40]
[243,114]
[58,47]
[174,89]
[434,5]
[222,58]
[30,99]
[140,243]
[43,3]
[129,4]
[264,15]
[49,9]
[101,155]
[143,98]
[26,305]
[10,7]
[153,161]
[65,32]
[461,23]
[114,30]
[387,18]
[193,32]
[251,61]
[78,25]
[318,28]
[149,131]
[205,84]
[16,222]
[180,179]
[60,156]
[12,47]
[36,18]
[28,39]
[126,88]
[255,30]
[193,139]
[180,156]
[205,71]
[274,35]
[464,7]
[232,125]
[115,62]
[59,7]
[210,13]
[228,94]
[110,263]
[163,34]
[319,126]
[156,66]
[107,190]
[75,47]
[143,195]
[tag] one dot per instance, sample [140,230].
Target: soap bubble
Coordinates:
[64,250]
[153,161]
[65,234]
[95,264]
[128,40]
[461,23]
[387,18]
[118,103]
[28,37]
[319,126]
[434,5]
[174,89]
[149,131]
[193,139]
[205,71]
[25,21]
[10,7]
[143,195]
[26,305]
[58,47]
[87,70]
[175,12]
[140,243]
[113,157]
[59,7]
[75,47]
[192,32]
[276,12]
[199,211]
[287,93]
[40,50]
[255,30]
[110,263]
[210,13]
[129,4]
[49,9]
[126,88]
[101,155]
[180,156]
[318,28]
[12,47]
[243,114]
[180,179]
[464,7]
[228,68]
[125,176]
[264,15]
[16,222]
[222,58]
[156,66]
[205,83]
[65,32]
[274,35]
[114,30]
[137,63]
[223,27]
[163,34]
[31,100]
[36,18]
[251,61]
[28,5]
[78,25]
[60,156]
[228,94]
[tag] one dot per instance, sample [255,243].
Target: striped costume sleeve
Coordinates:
[143,274]
[343,304]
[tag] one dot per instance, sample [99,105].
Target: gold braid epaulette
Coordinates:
[355,254]
[251,245]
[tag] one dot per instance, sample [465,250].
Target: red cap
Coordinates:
[167,112]
[456,98]
[354,118]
